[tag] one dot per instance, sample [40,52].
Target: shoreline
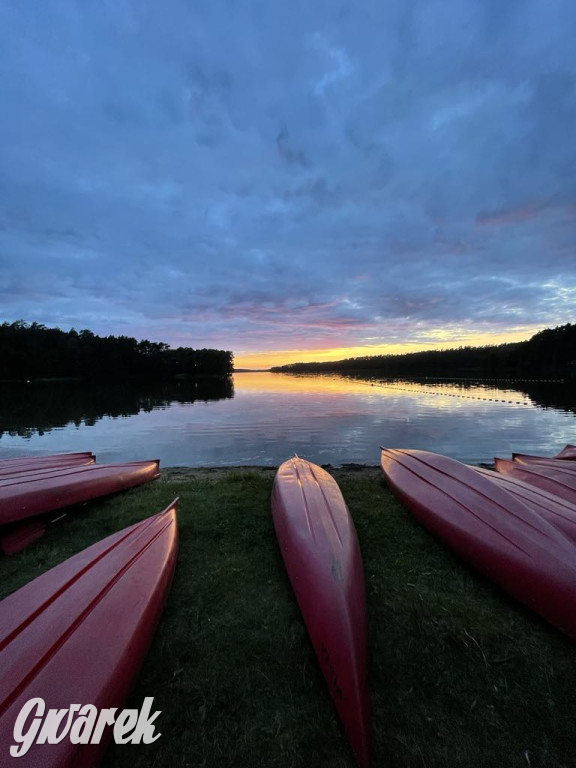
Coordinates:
[176,473]
[347,470]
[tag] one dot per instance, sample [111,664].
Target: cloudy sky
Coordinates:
[296,177]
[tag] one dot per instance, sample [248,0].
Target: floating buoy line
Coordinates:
[449,394]
[508,381]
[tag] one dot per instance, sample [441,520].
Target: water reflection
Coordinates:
[267,417]
[556,394]
[41,406]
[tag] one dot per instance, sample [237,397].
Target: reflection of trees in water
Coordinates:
[38,407]
[550,395]
[545,394]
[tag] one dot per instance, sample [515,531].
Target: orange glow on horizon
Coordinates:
[443,340]
[305,386]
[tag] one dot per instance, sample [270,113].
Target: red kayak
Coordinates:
[19,473]
[524,458]
[34,493]
[557,480]
[52,458]
[318,542]
[31,464]
[560,513]
[568,452]
[79,633]
[490,528]
[15,538]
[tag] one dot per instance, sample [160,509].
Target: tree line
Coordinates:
[551,352]
[32,351]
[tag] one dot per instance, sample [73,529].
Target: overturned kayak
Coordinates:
[79,633]
[524,458]
[14,538]
[51,458]
[32,493]
[10,467]
[560,513]
[492,529]
[318,542]
[558,480]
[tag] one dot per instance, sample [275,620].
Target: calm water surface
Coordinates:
[262,418]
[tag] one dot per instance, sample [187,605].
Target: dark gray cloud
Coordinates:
[259,176]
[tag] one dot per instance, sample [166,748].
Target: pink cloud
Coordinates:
[509,216]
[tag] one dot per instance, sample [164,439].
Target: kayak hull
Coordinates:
[43,490]
[15,538]
[491,529]
[568,452]
[79,633]
[11,467]
[557,480]
[53,459]
[320,548]
[544,461]
[560,513]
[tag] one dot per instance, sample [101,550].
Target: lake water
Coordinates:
[262,418]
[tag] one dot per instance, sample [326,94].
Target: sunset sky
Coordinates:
[291,181]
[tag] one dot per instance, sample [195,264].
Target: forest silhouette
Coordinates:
[32,351]
[549,353]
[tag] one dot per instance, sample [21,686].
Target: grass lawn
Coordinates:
[459,674]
